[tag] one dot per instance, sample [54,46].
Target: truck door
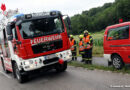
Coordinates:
[6,52]
[15,38]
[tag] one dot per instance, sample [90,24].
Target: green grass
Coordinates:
[98,51]
[98,35]
[126,69]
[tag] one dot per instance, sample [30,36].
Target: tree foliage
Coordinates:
[99,18]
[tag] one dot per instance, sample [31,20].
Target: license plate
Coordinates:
[50,56]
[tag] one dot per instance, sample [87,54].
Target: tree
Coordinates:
[99,18]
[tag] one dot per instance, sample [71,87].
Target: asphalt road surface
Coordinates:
[97,61]
[72,79]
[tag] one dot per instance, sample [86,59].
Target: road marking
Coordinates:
[5,74]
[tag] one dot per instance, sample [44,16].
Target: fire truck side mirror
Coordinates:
[69,22]
[10,37]
[9,30]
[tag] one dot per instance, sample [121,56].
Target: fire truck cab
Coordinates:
[117,44]
[34,41]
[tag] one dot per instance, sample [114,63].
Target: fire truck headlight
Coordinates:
[31,66]
[20,59]
[26,63]
[68,53]
[57,54]
[31,62]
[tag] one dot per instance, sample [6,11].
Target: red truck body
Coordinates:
[117,42]
[34,41]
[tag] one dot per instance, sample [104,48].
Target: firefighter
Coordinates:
[81,47]
[73,47]
[87,47]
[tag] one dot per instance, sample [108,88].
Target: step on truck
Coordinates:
[34,41]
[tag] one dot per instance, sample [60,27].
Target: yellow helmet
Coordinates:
[71,36]
[85,31]
[81,36]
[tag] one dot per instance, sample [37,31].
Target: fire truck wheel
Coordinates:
[3,66]
[117,62]
[20,78]
[61,67]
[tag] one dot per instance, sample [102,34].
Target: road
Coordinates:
[97,61]
[72,79]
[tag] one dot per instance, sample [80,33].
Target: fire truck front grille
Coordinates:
[47,46]
[50,60]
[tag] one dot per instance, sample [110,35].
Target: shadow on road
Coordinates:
[47,75]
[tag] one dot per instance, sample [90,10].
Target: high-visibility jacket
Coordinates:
[86,41]
[81,47]
[72,45]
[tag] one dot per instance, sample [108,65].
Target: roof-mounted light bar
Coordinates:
[40,14]
[52,13]
[29,16]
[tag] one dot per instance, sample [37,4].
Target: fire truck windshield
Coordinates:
[41,27]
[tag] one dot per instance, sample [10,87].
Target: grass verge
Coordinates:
[98,51]
[125,70]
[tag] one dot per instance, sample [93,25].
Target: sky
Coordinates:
[70,7]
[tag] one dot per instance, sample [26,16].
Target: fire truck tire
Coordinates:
[117,62]
[3,66]
[61,67]
[19,77]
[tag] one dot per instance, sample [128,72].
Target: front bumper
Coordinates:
[39,62]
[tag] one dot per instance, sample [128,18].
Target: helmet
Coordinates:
[81,36]
[71,36]
[85,31]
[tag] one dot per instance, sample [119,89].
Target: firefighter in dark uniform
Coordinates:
[81,47]
[73,47]
[87,47]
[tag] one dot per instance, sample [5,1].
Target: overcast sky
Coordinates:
[69,7]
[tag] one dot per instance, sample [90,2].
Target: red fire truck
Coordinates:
[117,44]
[34,41]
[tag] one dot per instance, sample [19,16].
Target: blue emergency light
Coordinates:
[18,15]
